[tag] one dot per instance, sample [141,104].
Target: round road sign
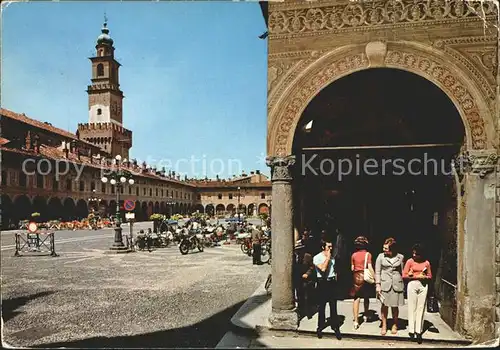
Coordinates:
[129,205]
[32,227]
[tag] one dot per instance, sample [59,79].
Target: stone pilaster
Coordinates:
[283,314]
[478,285]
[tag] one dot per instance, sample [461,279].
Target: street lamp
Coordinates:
[238,211]
[118,178]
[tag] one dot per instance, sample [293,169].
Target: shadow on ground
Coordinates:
[206,333]
[9,306]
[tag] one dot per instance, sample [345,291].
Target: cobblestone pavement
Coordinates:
[85,298]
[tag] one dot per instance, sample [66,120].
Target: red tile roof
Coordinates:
[41,125]
[55,153]
[216,184]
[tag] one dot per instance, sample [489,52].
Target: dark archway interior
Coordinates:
[380,107]
[335,190]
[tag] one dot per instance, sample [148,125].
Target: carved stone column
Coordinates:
[476,287]
[283,315]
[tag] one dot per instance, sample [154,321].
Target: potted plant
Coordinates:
[157,219]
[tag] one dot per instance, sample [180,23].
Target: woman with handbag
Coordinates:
[363,278]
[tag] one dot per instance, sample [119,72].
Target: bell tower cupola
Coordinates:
[105,96]
[105,126]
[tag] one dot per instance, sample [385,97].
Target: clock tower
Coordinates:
[105,126]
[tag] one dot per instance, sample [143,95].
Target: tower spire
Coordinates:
[104,38]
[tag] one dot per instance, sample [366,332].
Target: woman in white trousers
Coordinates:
[418,271]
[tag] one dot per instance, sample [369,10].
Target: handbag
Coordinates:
[367,274]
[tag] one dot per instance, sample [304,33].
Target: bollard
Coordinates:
[131,224]
[18,247]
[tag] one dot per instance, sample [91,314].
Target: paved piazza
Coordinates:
[85,298]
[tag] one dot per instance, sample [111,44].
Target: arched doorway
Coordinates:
[7,212]
[410,191]
[69,210]
[251,208]
[242,210]
[112,208]
[220,209]
[54,209]
[144,211]
[379,165]
[157,208]
[103,208]
[138,212]
[22,208]
[40,206]
[163,208]
[263,208]
[150,209]
[82,210]
[231,209]
[199,208]
[210,210]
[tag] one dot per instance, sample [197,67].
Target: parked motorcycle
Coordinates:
[190,242]
[143,241]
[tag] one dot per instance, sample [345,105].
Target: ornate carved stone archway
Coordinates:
[292,89]
[436,66]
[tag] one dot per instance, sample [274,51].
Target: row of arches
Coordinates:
[66,209]
[231,209]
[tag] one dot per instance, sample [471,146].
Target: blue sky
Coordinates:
[193,75]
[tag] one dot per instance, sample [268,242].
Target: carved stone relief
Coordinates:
[288,114]
[476,163]
[296,103]
[478,55]
[281,167]
[277,70]
[302,19]
[285,79]
[453,85]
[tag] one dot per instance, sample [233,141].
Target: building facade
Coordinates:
[58,174]
[441,58]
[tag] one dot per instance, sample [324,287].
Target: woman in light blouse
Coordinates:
[418,271]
